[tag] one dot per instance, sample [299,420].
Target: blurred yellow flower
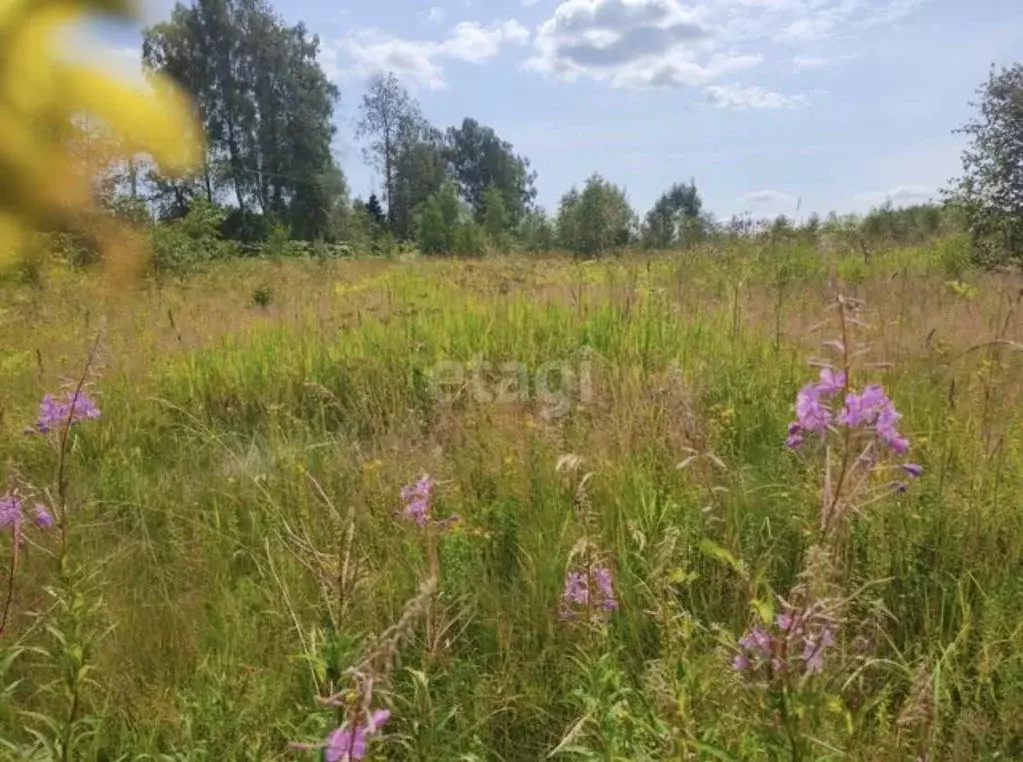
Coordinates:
[41,92]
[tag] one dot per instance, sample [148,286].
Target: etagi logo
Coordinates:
[556,384]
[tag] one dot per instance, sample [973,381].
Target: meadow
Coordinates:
[236,538]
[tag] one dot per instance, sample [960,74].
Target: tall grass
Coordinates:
[238,501]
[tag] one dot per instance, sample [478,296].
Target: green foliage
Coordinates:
[242,494]
[265,103]
[495,215]
[595,221]
[536,232]
[482,163]
[990,192]
[675,219]
[185,244]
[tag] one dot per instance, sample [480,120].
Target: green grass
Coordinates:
[238,445]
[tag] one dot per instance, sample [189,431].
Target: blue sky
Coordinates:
[840,103]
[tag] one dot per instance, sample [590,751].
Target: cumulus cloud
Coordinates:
[751,97]
[672,43]
[901,194]
[435,15]
[418,62]
[629,43]
[768,198]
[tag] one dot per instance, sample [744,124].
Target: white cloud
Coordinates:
[410,60]
[751,97]
[768,198]
[435,15]
[418,62]
[899,195]
[630,43]
[472,42]
[658,43]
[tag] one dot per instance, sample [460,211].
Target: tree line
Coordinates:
[269,174]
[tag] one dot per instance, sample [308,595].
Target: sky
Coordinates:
[771,106]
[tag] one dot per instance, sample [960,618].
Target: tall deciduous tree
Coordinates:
[264,101]
[597,220]
[991,188]
[479,160]
[389,117]
[675,218]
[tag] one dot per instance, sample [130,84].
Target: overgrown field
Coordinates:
[235,534]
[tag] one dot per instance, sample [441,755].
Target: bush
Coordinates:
[185,244]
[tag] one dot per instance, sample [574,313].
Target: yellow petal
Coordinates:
[39,171]
[27,81]
[161,122]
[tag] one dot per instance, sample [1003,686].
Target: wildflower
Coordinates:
[795,438]
[418,507]
[831,381]
[813,650]
[43,518]
[913,469]
[578,588]
[55,413]
[741,663]
[577,591]
[811,413]
[603,577]
[345,744]
[10,510]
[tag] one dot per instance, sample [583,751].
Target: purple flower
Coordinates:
[758,641]
[741,662]
[602,575]
[813,650]
[55,413]
[831,381]
[417,500]
[345,744]
[10,510]
[794,442]
[811,414]
[43,518]
[913,469]
[576,589]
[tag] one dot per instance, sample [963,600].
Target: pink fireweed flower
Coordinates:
[418,506]
[913,469]
[54,413]
[831,381]
[811,413]
[804,633]
[345,744]
[584,590]
[43,518]
[10,510]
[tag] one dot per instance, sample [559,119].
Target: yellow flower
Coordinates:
[41,92]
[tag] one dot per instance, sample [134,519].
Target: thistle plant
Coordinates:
[853,434]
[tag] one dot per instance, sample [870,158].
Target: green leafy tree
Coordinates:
[265,103]
[481,160]
[596,220]
[439,221]
[536,232]
[990,190]
[495,215]
[675,218]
